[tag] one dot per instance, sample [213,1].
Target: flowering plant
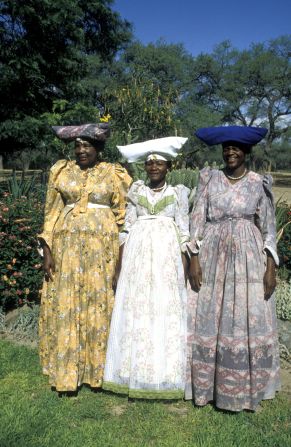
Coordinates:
[20,263]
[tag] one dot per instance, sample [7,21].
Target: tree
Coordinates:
[46,49]
[251,87]
[139,112]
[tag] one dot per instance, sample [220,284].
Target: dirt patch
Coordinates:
[118,410]
[178,410]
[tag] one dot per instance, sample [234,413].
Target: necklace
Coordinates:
[237,178]
[158,189]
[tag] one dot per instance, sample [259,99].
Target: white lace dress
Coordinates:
[146,348]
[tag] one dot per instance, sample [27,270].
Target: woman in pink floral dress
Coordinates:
[233,355]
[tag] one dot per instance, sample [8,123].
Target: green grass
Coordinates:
[31,415]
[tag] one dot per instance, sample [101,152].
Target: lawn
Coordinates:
[31,415]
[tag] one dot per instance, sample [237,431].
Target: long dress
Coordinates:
[83,211]
[146,355]
[233,356]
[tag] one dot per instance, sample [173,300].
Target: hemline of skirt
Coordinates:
[143,394]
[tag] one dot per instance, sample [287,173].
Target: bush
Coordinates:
[20,263]
[283,216]
[283,300]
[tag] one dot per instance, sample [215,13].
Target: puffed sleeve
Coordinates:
[199,211]
[266,218]
[54,203]
[131,212]
[182,215]
[122,182]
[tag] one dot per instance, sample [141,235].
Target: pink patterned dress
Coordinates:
[233,356]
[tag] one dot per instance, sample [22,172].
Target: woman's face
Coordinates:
[233,155]
[156,170]
[86,153]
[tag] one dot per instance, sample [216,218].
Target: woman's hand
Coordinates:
[185,266]
[195,273]
[269,277]
[48,265]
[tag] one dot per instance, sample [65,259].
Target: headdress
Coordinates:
[246,135]
[93,132]
[167,148]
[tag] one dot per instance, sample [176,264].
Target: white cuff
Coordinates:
[273,253]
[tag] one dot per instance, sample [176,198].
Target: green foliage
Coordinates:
[25,326]
[47,50]
[283,217]
[283,300]
[137,171]
[248,86]
[141,112]
[2,320]
[20,263]
[22,187]
[183,176]
[168,66]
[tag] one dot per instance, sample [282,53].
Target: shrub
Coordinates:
[20,263]
[25,326]
[283,216]
[283,300]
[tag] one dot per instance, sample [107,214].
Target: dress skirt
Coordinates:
[76,306]
[147,341]
[233,342]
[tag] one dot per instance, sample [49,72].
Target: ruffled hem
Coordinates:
[143,394]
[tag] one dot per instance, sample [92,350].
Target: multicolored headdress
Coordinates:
[91,132]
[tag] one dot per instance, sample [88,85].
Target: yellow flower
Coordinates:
[105,118]
[5,278]
[9,266]
[13,260]
[26,291]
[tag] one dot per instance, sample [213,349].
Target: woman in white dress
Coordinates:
[146,349]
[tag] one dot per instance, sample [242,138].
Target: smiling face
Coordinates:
[234,155]
[156,170]
[86,153]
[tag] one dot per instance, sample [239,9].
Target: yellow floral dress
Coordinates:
[84,209]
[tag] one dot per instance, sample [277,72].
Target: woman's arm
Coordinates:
[197,225]
[53,206]
[267,226]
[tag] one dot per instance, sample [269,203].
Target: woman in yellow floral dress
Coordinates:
[85,206]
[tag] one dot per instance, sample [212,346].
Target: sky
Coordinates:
[200,25]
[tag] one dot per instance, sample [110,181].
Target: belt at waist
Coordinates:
[154,216]
[249,217]
[89,205]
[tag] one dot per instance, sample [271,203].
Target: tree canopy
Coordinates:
[75,61]
[45,52]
